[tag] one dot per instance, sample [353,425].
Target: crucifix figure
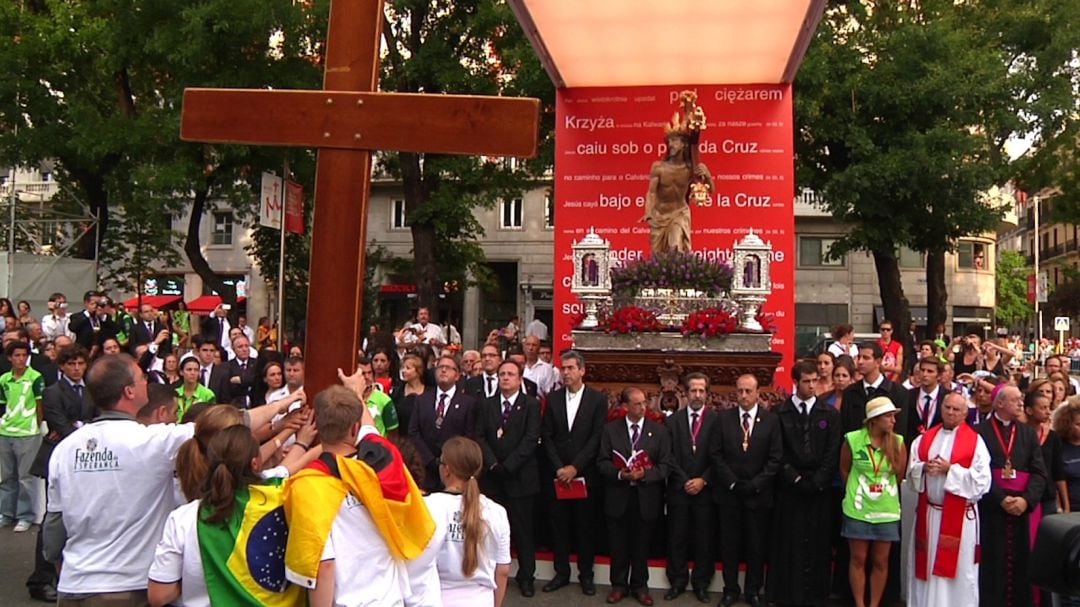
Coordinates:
[346,121]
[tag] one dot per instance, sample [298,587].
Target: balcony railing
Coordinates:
[29,191]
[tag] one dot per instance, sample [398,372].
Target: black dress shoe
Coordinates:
[753,600]
[588,588]
[673,593]
[46,594]
[555,583]
[702,595]
[528,590]
[728,600]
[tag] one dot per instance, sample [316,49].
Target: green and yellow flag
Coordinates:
[244,558]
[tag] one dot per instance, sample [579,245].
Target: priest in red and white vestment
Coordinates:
[950,471]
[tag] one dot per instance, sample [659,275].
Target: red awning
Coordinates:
[207,303]
[158,301]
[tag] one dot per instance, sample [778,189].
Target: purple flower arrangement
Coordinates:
[672,270]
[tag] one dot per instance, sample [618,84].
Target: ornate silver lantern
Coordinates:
[592,275]
[751,284]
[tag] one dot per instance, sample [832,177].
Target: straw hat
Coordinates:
[878,406]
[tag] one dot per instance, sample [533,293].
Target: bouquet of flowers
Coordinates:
[672,270]
[710,322]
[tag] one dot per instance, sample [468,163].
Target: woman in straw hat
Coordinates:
[872,464]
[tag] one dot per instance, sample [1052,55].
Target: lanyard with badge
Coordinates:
[876,487]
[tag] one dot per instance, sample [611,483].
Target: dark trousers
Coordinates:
[743,537]
[690,523]
[573,519]
[520,512]
[629,537]
[44,573]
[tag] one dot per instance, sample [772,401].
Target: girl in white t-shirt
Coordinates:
[474,561]
[233,477]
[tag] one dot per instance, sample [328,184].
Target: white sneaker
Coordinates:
[22,526]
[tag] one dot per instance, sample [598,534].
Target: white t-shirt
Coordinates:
[538,329]
[113,482]
[425,590]
[365,573]
[543,374]
[838,349]
[178,558]
[494,547]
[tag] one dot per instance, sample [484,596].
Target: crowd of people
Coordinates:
[198,471]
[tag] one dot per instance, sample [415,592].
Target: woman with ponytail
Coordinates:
[474,560]
[191,460]
[194,561]
[872,465]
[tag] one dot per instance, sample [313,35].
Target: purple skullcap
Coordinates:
[997,390]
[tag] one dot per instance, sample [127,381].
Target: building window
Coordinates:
[971,256]
[549,212]
[511,214]
[814,322]
[910,258]
[813,249]
[397,215]
[223,229]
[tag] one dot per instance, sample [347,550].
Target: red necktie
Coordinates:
[440,411]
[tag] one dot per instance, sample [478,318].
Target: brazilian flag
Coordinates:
[244,557]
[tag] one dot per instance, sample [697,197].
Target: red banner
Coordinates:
[294,208]
[607,140]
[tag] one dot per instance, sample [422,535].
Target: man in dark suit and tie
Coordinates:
[440,415]
[485,385]
[66,405]
[868,363]
[800,564]
[211,374]
[690,509]
[924,400]
[86,325]
[745,461]
[147,328]
[215,327]
[571,431]
[508,429]
[241,372]
[634,496]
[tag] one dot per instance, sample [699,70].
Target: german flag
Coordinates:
[378,478]
[244,558]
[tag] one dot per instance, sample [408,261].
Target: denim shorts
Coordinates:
[872,532]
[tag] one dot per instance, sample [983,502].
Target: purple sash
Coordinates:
[1016,485]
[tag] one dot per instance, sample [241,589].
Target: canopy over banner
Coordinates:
[644,42]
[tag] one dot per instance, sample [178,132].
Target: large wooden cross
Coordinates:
[346,121]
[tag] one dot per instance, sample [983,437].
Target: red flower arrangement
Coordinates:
[710,322]
[631,319]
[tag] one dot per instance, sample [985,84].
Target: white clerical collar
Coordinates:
[1001,421]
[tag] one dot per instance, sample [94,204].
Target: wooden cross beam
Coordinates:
[346,121]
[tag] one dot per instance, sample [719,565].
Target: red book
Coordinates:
[574,490]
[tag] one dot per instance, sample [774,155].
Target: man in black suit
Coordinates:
[216,325]
[634,496]
[66,405]
[241,372]
[440,415]
[86,325]
[924,401]
[868,363]
[571,431]
[146,330]
[508,428]
[800,563]
[485,385]
[690,509]
[745,461]
[211,374]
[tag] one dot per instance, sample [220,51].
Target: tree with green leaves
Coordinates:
[904,111]
[1011,274]
[464,46]
[97,87]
